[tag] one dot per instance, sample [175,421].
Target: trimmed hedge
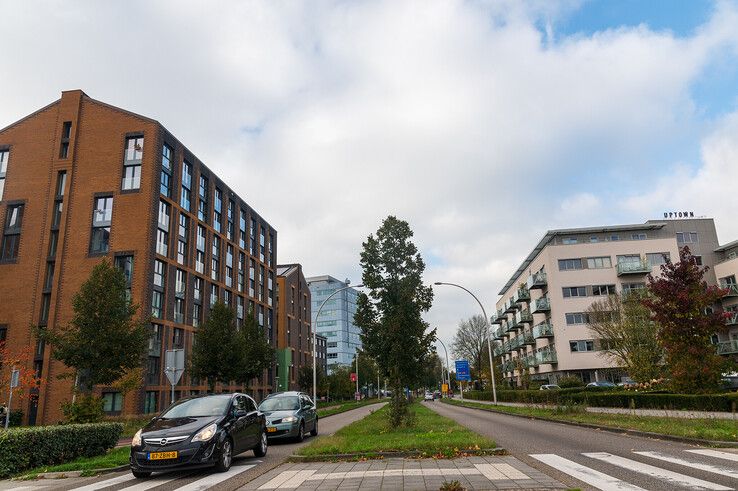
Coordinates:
[621,399]
[36,446]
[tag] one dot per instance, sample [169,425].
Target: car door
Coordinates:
[308,410]
[253,423]
[240,424]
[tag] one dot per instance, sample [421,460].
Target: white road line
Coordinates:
[585,474]
[144,484]
[695,465]
[107,482]
[215,478]
[717,454]
[649,470]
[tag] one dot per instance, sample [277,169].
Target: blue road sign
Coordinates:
[462,370]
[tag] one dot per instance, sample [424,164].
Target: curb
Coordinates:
[65,474]
[386,455]
[613,429]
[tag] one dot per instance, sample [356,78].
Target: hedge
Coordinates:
[621,399]
[30,447]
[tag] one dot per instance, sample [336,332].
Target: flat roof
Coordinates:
[727,246]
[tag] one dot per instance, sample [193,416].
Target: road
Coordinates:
[591,459]
[245,468]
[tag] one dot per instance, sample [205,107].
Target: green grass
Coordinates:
[432,435]
[705,429]
[114,458]
[342,407]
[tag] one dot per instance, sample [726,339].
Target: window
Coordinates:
[575,318]
[165,187]
[569,264]
[159,273]
[698,260]
[261,244]
[200,255]
[579,346]
[162,242]
[53,242]
[65,135]
[132,163]
[241,230]
[4,155]
[178,338]
[11,233]
[218,210]
[184,232]
[629,287]
[157,300]
[179,309]
[180,283]
[253,237]
[200,262]
[61,184]
[197,287]
[639,236]
[56,214]
[203,194]
[49,276]
[45,306]
[239,307]
[196,315]
[213,295]
[186,196]
[215,263]
[252,273]
[150,402]
[687,237]
[261,284]
[574,291]
[229,227]
[599,262]
[614,238]
[125,264]
[112,402]
[270,257]
[241,271]
[598,290]
[657,258]
[227,297]
[101,218]
[229,266]
[629,259]
[569,240]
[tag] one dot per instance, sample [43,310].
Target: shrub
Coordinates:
[85,409]
[570,382]
[35,446]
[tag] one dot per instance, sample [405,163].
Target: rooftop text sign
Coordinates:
[678,214]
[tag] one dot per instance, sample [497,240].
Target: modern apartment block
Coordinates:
[541,321]
[726,272]
[81,182]
[294,337]
[336,321]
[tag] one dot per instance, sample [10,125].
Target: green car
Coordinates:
[289,415]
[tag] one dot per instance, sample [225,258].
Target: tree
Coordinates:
[340,385]
[258,353]
[367,369]
[681,303]
[470,343]
[21,360]
[393,331]
[104,340]
[629,337]
[305,377]
[432,372]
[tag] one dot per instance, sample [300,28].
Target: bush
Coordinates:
[35,446]
[85,409]
[570,382]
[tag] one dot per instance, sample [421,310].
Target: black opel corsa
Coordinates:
[199,431]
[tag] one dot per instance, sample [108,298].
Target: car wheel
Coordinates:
[261,449]
[314,431]
[226,457]
[141,474]
[301,432]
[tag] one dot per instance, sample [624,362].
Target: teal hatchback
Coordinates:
[289,415]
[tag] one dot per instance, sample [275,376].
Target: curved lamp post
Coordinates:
[315,332]
[489,337]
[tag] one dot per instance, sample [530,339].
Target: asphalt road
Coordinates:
[245,467]
[611,454]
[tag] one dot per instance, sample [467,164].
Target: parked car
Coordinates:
[428,396]
[549,387]
[289,415]
[601,383]
[197,431]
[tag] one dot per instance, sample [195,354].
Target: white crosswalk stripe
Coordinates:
[592,477]
[716,453]
[695,465]
[144,484]
[662,474]
[106,483]
[215,478]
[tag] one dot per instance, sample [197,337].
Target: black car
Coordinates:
[199,431]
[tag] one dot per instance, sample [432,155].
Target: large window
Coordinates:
[574,318]
[202,205]
[574,291]
[132,163]
[182,235]
[218,210]
[157,302]
[102,216]
[581,346]
[186,197]
[11,233]
[599,290]
[65,136]
[242,230]
[112,402]
[200,247]
[229,227]
[687,237]
[229,266]
[166,171]
[4,155]
[599,262]
[162,232]
[125,264]
[215,265]
[159,273]
[657,258]
[569,264]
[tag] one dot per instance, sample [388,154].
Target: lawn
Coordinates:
[432,435]
[340,407]
[705,429]
[114,458]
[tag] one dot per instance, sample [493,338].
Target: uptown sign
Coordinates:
[678,214]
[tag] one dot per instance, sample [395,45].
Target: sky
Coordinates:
[481,123]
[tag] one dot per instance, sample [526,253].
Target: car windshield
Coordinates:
[200,406]
[283,403]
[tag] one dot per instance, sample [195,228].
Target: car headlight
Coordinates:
[136,441]
[289,419]
[206,433]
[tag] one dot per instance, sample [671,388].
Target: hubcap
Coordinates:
[227,454]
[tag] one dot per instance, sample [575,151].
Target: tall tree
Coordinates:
[681,303]
[367,368]
[433,372]
[623,326]
[393,331]
[305,377]
[104,340]
[339,384]
[258,354]
[470,343]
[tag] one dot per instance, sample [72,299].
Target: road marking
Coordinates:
[649,470]
[144,484]
[717,454]
[296,481]
[106,483]
[695,465]
[592,477]
[215,478]
[278,480]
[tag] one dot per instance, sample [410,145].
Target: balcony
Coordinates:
[732,289]
[542,304]
[524,316]
[521,295]
[498,334]
[499,317]
[499,350]
[528,339]
[728,347]
[641,267]
[510,306]
[516,343]
[530,361]
[546,357]
[732,320]
[538,280]
[512,326]
[543,330]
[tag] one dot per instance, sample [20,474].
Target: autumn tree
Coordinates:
[623,327]
[681,304]
[470,343]
[390,315]
[21,360]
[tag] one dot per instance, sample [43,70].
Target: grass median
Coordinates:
[704,429]
[432,435]
[342,407]
[114,458]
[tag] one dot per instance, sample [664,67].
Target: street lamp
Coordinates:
[315,331]
[448,374]
[489,337]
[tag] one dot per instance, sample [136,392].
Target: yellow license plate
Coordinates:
[162,455]
[271,430]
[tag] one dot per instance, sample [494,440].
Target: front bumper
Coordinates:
[188,455]
[283,430]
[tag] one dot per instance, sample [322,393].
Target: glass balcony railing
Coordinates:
[546,356]
[732,289]
[528,338]
[537,280]
[641,267]
[524,316]
[521,295]
[498,334]
[728,347]
[516,342]
[512,326]
[499,350]
[510,306]
[543,330]
[732,320]
[542,304]
[498,318]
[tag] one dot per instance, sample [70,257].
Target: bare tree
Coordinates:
[470,343]
[627,335]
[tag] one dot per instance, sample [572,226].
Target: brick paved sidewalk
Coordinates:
[474,473]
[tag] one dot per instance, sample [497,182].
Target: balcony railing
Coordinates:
[516,342]
[524,316]
[499,350]
[543,330]
[732,320]
[728,347]
[510,306]
[521,295]
[528,338]
[546,356]
[530,361]
[498,334]
[499,317]
[512,326]
[542,304]
[732,289]
[641,267]
[537,280]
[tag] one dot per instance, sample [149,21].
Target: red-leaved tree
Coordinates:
[20,359]
[681,304]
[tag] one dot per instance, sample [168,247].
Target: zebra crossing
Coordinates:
[722,464]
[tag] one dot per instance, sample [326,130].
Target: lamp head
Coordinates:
[438,283]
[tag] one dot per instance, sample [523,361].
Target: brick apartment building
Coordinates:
[294,337]
[82,181]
